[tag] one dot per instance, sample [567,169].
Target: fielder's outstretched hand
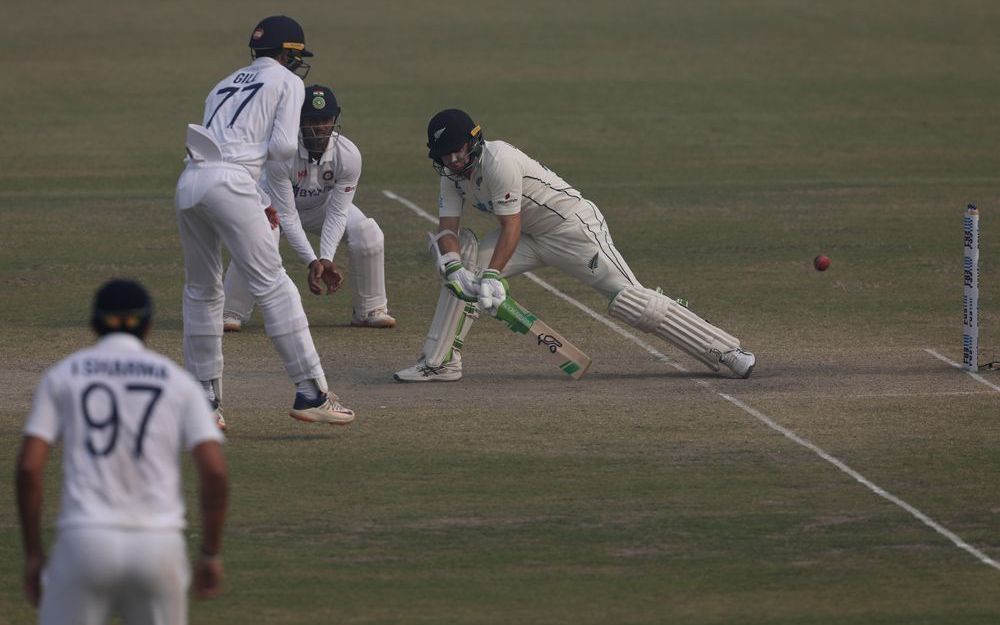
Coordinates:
[491,291]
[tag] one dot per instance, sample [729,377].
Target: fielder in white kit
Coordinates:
[124,414]
[251,123]
[324,178]
[544,222]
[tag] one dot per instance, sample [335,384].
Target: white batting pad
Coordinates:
[452,318]
[366,251]
[451,323]
[653,312]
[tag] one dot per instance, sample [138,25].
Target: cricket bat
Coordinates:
[553,345]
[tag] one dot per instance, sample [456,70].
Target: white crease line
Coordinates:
[875,488]
[974,376]
[760,416]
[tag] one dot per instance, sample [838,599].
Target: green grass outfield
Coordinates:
[727,142]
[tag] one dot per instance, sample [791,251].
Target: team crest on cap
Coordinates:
[257,34]
[439,132]
[319,103]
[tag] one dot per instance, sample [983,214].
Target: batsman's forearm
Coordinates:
[510,235]
[506,245]
[29,509]
[449,243]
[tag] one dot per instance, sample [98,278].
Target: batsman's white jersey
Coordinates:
[323,205]
[124,414]
[559,227]
[251,123]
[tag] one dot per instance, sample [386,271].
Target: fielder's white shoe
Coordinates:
[420,372]
[324,409]
[740,361]
[219,419]
[231,323]
[378,318]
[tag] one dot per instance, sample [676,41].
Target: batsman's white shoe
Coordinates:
[420,372]
[324,409]
[740,361]
[231,323]
[217,412]
[378,318]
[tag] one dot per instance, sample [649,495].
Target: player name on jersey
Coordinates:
[124,368]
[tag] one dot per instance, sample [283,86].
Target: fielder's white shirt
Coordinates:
[123,413]
[506,181]
[326,186]
[253,114]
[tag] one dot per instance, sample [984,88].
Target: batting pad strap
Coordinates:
[653,312]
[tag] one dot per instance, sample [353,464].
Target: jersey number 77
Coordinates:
[229,92]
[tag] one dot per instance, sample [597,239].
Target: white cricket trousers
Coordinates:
[94,573]
[580,246]
[221,203]
[365,249]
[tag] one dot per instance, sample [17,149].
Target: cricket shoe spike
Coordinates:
[323,409]
[231,323]
[450,371]
[217,413]
[740,361]
[378,318]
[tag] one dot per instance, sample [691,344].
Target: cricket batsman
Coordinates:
[543,222]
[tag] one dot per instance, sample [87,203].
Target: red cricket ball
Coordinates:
[821,263]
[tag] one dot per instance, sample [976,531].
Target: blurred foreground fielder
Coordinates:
[124,413]
[251,123]
[323,178]
[543,222]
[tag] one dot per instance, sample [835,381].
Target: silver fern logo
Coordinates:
[593,264]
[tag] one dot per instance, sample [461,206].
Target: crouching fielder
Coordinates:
[544,222]
[324,177]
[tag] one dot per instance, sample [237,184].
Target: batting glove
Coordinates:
[459,280]
[491,291]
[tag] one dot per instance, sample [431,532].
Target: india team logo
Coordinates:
[319,102]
